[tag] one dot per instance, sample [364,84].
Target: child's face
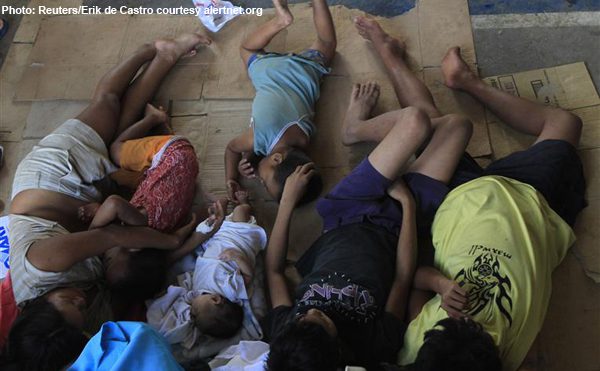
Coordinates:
[316,316]
[206,304]
[266,172]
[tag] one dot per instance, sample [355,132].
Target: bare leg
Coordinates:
[326,40]
[451,133]
[116,209]
[144,87]
[522,115]
[259,39]
[243,212]
[102,114]
[409,89]
[152,117]
[411,129]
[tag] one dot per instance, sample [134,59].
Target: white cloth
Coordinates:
[171,313]
[245,356]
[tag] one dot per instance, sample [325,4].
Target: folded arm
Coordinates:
[454,298]
[277,249]
[406,252]
[60,253]
[233,156]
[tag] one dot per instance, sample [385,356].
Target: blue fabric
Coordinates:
[287,88]
[126,346]
[362,197]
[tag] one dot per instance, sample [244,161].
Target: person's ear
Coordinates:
[277,158]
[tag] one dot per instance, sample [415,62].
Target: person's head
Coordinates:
[308,343]
[459,344]
[217,316]
[47,335]
[274,169]
[135,274]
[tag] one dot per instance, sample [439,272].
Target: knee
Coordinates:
[415,122]
[109,100]
[458,125]
[566,119]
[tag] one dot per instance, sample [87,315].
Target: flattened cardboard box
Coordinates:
[568,86]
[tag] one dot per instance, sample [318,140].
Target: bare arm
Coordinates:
[60,253]
[116,208]
[233,156]
[293,191]
[406,253]
[454,298]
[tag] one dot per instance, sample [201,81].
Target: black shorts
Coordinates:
[552,167]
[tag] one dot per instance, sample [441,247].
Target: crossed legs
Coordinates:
[446,137]
[261,37]
[117,102]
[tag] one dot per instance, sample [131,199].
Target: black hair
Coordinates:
[303,346]
[145,275]
[292,160]
[41,339]
[224,322]
[462,345]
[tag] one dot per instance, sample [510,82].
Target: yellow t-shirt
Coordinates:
[501,240]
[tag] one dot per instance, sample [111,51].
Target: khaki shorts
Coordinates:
[67,161]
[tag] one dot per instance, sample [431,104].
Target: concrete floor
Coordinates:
[570,339]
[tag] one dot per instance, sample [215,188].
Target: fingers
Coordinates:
[246,168]
[452,312]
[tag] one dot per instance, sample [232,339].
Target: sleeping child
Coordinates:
[213,303]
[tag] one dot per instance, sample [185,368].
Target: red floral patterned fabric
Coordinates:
[167,190]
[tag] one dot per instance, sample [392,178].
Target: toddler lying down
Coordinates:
[211,307]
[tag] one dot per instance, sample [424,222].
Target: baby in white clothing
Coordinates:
[214,299]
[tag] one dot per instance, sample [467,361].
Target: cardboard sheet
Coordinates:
[13,114]
[569,87]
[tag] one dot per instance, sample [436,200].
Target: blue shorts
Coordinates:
[362,197]
[552,167]
[310,54]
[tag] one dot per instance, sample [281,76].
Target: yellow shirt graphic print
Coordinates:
[499,239]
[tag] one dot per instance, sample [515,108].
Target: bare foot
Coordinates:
[183,45]
[456,72]
[242,197]
[284,16]
[87,212]
[362,101]
[158,114]
[370,30]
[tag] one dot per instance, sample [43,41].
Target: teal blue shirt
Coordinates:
[287,88]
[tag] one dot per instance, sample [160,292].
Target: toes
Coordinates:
[355,90]
[363,89]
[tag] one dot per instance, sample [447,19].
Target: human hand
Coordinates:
[246,169]
[183,232]
[87,212]
[454,299]
[295,184]
[400,192]
[216,213]
[232,187]
[242,197]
